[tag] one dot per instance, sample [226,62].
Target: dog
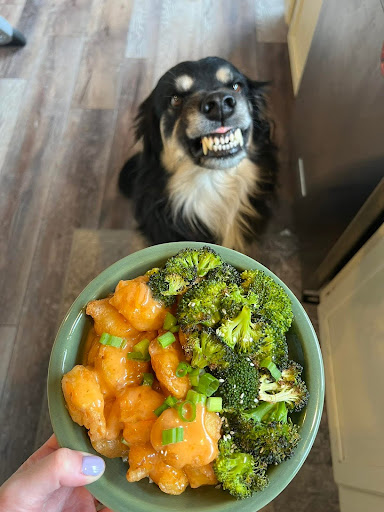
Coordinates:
[207,168]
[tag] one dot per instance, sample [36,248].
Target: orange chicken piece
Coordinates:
[200,475]
[108,319]
[134,300]
[201,436]
[137,405]
[144,461]
[85,400]
[165,362]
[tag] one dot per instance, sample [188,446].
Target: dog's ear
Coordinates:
[262,123]
[148,127]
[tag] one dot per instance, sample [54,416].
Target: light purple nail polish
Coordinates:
[92,465]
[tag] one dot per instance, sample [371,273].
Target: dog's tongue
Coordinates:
[222,129]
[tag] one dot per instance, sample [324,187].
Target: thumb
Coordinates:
[62,468]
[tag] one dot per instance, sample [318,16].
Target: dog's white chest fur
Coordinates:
[219,199]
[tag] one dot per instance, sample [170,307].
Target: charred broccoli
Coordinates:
[160,288]
[201,305]
[226,273]
[239,384]
[272,344]
[290,388]
[266,432]
[192,263]
[238,472]
[240,331]
[274,304]
[206,349]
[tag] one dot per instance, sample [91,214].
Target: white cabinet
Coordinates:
[351,318]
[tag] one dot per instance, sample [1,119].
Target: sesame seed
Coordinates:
[241,401]
[242,395]
[234,386]
[251,364]
[221,380]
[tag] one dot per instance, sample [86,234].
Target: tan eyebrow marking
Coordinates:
[184,83]
[224,75]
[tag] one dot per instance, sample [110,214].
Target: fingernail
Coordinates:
[92,465]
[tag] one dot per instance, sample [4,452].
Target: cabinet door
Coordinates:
[338,124]
[351,320]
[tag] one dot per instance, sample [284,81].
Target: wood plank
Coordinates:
[22,62]
[74,199]
[143,29]
[70,18]
[92,251]
[7,337]
[270,22]
[12,12]
[11,94]
[98,81]
[28,167]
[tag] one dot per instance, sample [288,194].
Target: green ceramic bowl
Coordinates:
[113,489]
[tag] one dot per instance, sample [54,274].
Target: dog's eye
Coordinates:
[237,87]
[176,101]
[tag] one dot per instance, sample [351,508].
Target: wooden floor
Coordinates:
[67,102]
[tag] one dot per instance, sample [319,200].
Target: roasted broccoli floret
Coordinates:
[274,304]
[201,305]
[240,331]
[239,384]
[206,349]
[193,263]
[226,273]
[239,473]
[265,432]
[290,388]
[159,287]
[272,344]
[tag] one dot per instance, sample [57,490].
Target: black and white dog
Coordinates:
[207,168]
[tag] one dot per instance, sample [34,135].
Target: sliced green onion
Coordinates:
[195,397]
[172,435]
[182,369]
[111,341]
[270,365]
[140,351]
[171,401]
[194,376]
[208,384]
[169,321]
[215,403]
[142,347]
[124,441]
[137,356]
[166,339]
[148,379]
[163,407]
[182,409]
[175,328]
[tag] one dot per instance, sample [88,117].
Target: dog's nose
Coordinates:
[218,106]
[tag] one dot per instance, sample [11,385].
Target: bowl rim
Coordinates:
[76,311]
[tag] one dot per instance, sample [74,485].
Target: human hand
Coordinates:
[52,480]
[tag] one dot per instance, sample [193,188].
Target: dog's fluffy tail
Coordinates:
[127,175]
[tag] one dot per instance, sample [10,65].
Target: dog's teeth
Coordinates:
[231,137]
[220,147]
[222,140]
[226,139]
[241,138]
[216,141]
[210,143]
[204,144]
[230,145]
[215,148]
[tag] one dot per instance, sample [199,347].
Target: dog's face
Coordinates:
[205,112]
